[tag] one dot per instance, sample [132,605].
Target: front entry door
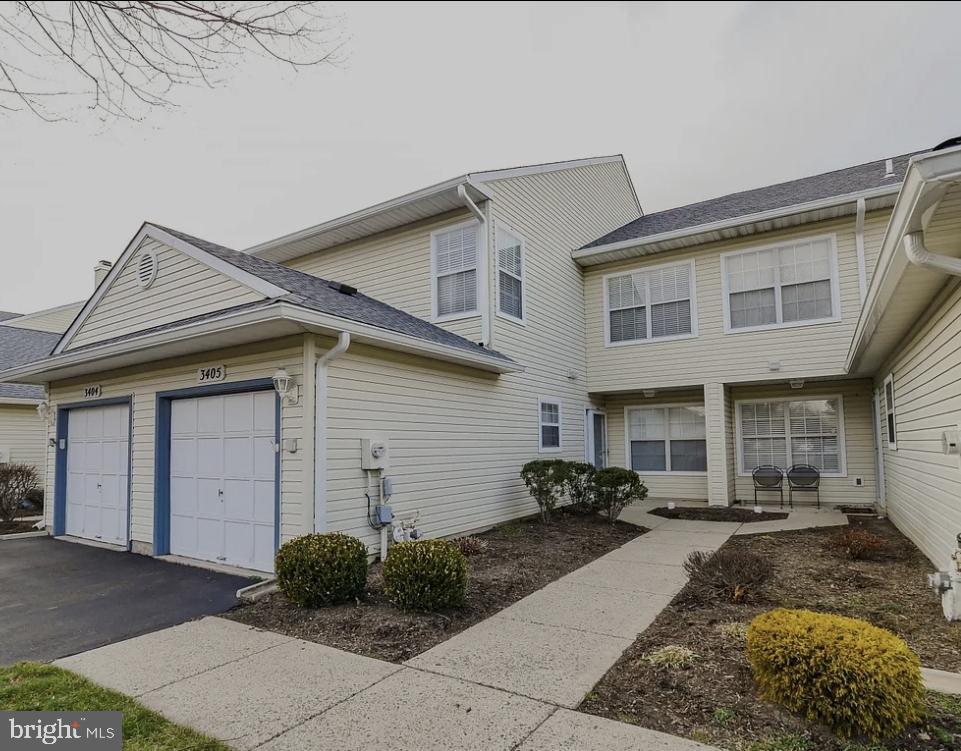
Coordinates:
[597,438]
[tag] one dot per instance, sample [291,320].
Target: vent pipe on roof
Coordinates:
[889,169]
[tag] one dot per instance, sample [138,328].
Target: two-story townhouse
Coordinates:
[208,403]
[718,333]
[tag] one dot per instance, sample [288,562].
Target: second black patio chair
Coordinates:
[767,477]
[803,478]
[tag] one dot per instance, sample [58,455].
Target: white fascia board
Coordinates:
[762,216]
[9,400]
[540,169]
[148,230]
[368,213]
[926,173]
[273,312]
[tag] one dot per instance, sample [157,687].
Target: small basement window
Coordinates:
[549,411]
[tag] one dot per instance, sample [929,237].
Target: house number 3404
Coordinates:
[211,374]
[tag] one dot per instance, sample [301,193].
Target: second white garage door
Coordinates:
[223,479]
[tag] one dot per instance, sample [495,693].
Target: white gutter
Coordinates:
[859,242]
[268,313]
[920,256]
[722,224]
[486,313]
[320,430]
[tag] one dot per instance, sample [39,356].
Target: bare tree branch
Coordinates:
[121,58]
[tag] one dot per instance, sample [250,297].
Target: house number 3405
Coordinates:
[211,374]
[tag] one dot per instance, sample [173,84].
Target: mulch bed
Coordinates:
[715,701]
[521,557]
[717,514]
[10,528]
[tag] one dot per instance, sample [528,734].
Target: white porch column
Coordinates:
[719,420]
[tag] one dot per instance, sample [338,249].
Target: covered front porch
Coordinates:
[702,442]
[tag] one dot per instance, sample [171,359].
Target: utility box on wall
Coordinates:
[374,453]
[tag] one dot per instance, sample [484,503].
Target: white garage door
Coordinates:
[97,468]
[222,479]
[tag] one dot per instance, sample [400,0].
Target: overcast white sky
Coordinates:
[701,100]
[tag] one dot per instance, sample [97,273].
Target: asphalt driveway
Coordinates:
[59,598]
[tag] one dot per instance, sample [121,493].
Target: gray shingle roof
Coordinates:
[317,294]
[782,195]
[6,315]
[18,347]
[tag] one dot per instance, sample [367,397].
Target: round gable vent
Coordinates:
[146,269]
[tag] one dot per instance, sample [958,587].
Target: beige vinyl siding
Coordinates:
[721,447]
[53,320]
[183,288]
[922,484]
[143,383]
[676,486]
[860,453]
[393,267]
[713,356]
[24,434]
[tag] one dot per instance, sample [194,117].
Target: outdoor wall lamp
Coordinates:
[286,389]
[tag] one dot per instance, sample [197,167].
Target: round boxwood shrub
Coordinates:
[325,569]
[855,678]
[426,575]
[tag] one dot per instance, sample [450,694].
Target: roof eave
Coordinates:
[416,206]
[927,176]
[235,329]
[730,228]
[14,402]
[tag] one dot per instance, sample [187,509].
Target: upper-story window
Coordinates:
[454,266]
[656,303]
[789,284]
[510,274]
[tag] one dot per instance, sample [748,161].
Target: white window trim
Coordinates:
[478,270]
[522,321]
[890,410]
[650,339]
[560,426]
[667,440]
[842,443]
[589,432]
[835,287]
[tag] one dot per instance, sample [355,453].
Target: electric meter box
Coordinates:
[374,453]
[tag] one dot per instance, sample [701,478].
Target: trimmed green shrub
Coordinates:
[426,575]
[615,488]
[855,678]
[316,570]
[579,484]
[544,479]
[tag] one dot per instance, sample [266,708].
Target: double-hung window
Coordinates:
[455,275]
[651,304]
[549,424]
[666,439]
[890,426]
[510,274]
[782,285]
[787,432]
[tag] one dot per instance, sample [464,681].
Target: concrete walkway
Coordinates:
[509,682]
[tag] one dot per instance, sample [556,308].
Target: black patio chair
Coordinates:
[767,477]
[803,478]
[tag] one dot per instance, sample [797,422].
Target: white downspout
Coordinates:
[486,314]
[320,430]
[923,258]
[859,242]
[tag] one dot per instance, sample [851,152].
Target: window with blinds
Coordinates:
[783,433]
[510,274]
[782,285]
[549,425]
[652,304]
[890,426]
[454,253]
[667,439]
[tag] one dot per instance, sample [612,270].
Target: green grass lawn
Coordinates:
[33,687]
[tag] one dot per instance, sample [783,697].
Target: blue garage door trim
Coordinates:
[60,466]
[161,517]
